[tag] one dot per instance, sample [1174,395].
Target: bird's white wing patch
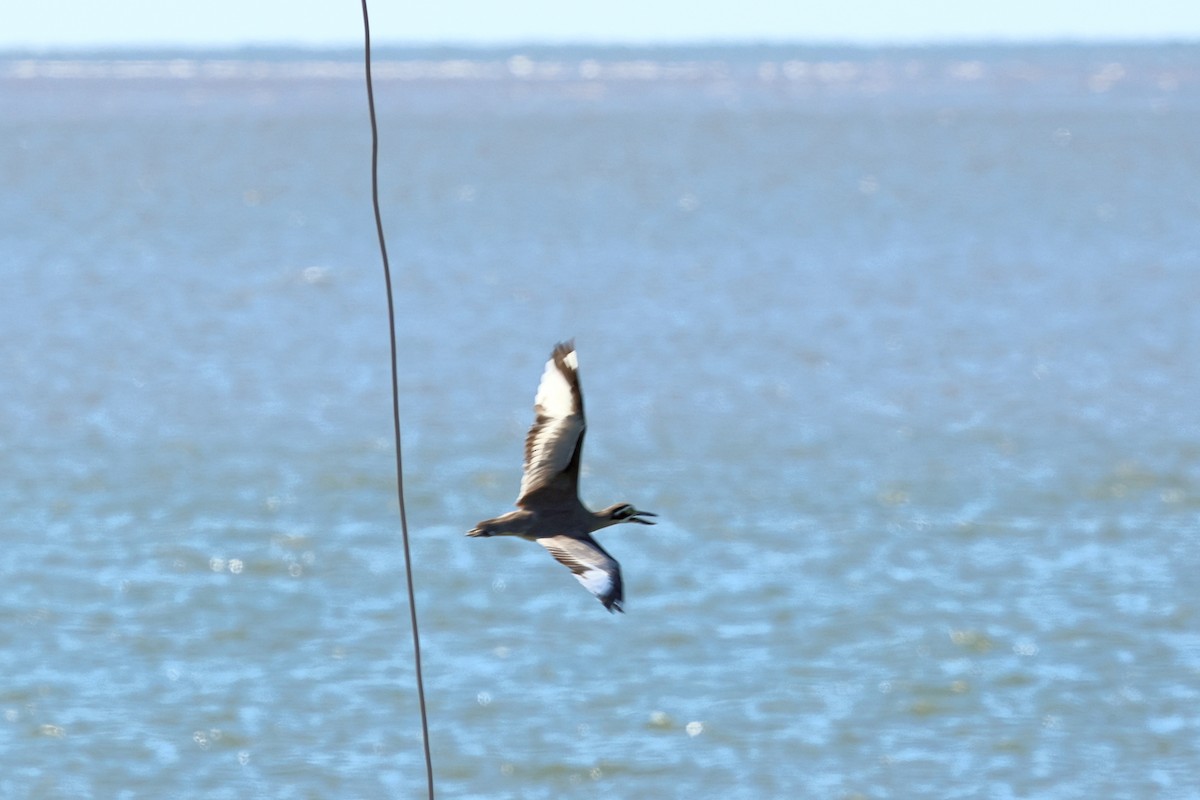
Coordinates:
[558,423]
[554,396]
[599,572]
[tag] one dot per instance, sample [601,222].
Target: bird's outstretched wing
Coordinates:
[555,440]
[596,570]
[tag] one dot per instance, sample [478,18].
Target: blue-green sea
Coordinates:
[902,345]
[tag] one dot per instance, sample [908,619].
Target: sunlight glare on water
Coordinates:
[901,345]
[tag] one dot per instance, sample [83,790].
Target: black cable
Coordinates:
[387,277]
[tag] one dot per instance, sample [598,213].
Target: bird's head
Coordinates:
[623,512]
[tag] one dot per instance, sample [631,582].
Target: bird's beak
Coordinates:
[637,517]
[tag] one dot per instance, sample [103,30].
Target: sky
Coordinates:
[49,24]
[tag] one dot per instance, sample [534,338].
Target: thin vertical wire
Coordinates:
[387,277]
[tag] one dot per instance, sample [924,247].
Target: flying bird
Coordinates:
[548,508]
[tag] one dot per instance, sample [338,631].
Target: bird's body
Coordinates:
[548,508]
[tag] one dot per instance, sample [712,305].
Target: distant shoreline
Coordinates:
[697,50]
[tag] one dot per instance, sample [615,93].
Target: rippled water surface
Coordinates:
[902,345]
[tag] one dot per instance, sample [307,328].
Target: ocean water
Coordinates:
[902,346]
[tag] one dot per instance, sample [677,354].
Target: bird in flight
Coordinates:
[548,508]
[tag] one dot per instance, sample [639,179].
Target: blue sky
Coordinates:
[87,23]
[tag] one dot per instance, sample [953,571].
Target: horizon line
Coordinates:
[7,49]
